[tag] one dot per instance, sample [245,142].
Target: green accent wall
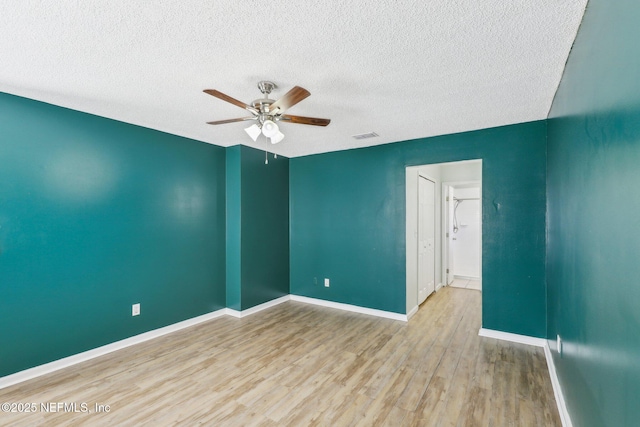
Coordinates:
[593,219]
[257,227]
[96,215]
[234,227]
[348,222]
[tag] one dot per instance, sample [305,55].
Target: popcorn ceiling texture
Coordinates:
[404,69]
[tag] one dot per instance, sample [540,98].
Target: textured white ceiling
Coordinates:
[403,69]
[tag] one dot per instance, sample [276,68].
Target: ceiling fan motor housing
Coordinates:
[263,104]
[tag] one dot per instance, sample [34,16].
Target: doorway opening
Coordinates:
[443,228]
[462,249]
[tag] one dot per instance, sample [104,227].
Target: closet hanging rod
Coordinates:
[467,198]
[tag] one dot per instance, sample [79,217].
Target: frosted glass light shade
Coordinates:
[269,129]
[253,131]
[279,136]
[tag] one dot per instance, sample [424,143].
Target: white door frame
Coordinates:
[444,176]
[446,230]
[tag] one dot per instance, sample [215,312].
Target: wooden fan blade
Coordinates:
[290,99]
[229,99]
[221,122]
[306,120]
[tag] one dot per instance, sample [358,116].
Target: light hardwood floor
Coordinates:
[298,365]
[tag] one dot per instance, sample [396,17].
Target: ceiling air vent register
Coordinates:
[365,135]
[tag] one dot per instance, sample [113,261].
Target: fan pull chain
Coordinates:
[266,158]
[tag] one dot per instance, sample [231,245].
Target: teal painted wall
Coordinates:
[257,227]
[96,215]
[265,227]
[593,220]
[234,227]
[348,222]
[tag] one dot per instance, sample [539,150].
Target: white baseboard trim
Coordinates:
[56,365]
[507,336]
[47,368]
[413,311]
[352,308]
[537,342]
[466,277]
[257,308]
[557,389]
[439,286]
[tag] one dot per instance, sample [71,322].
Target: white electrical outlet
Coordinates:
[135,309]
[326,283]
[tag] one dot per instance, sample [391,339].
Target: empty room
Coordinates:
[323,213]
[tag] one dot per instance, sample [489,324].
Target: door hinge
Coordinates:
[447,234]
[447,198]
[447,271]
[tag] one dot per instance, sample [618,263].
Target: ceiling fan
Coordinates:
[267,112]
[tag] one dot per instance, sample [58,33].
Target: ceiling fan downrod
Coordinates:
[266,87]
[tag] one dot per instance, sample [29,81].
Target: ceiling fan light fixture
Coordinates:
[253,131]
[270,129]
[266,112]
[279,136]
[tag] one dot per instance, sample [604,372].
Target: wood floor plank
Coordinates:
[297,364]
[384,402]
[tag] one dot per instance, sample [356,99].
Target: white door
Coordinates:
[426,238]
[451,236]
